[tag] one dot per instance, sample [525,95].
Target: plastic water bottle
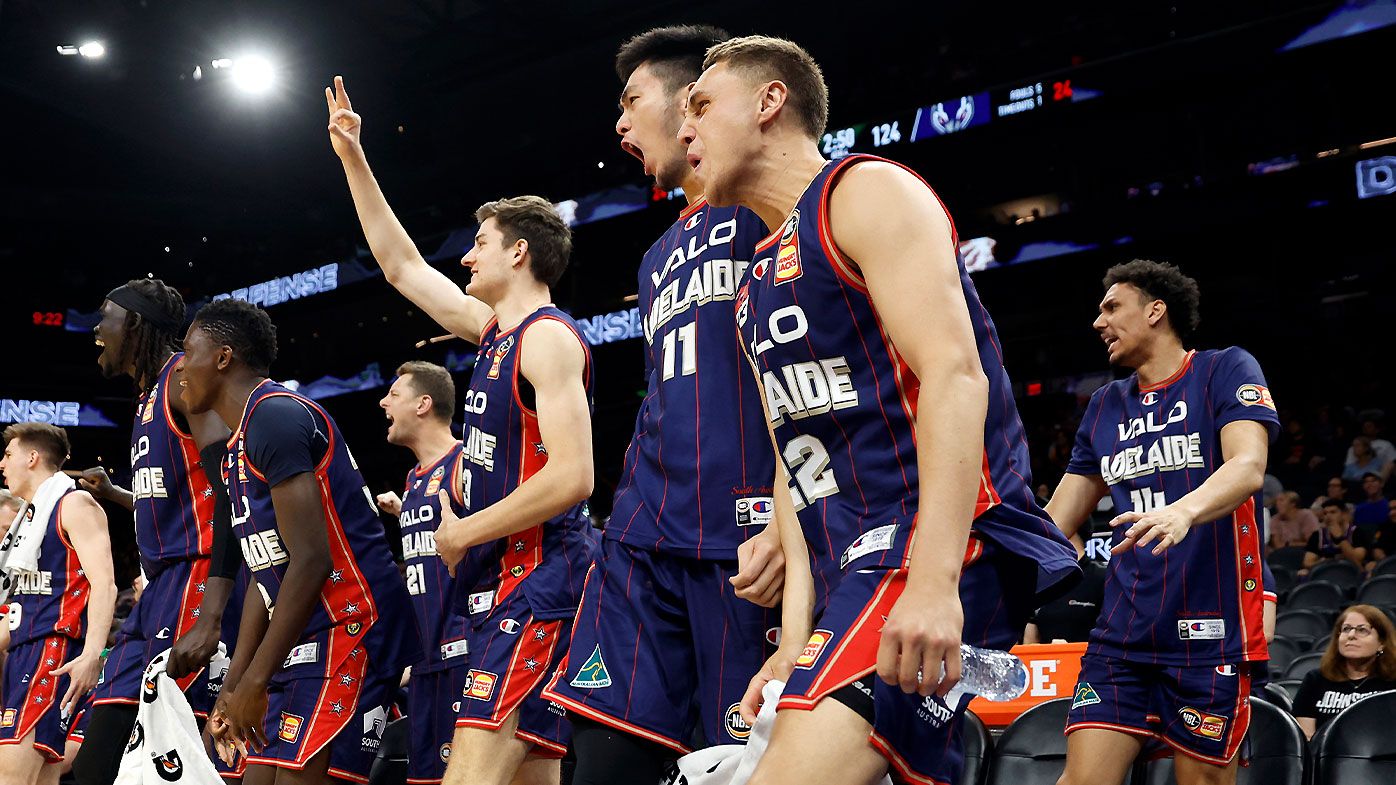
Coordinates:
[990,674]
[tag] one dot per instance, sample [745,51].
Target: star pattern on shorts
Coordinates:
[540,634]
[531,664]
[81,572]
[337,708]
[336,576]
[208,493]
[539,449]
[1245,528]
[77,592]
[354,653]
[38,699]
[346,680]
[199,587]
[1250,559]
[350,608]
[50,661]
[53,644]
[195,613]
[520,546]
[43,682]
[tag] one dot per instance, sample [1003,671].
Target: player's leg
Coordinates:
[731,639]
[1190,771]
[1095,756]
[1205,713]
[606,755]
[1110,720]
[49,773]
[433,702]
[20,761]
[539,770]
[108,729]
[481,756]
[807,745]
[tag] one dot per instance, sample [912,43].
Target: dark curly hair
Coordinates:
[244,327]
[147,346]
[1162,281]
[675,53]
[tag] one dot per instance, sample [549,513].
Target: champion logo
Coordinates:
[1150,398]
[693,220]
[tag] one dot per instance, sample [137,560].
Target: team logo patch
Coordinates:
[445,752]
[1085,696]
[353,627]
[290,729]
[593,673]
[169,766]
[755,511]
[1150,398]
[509,626]
[737,727]
[1206,725]
[434,483]
[500,352]
[813,649]
[137,736]
[517,571]
[1255,395]
[788,252]
[149,413]
[1250,584]
[8,720]
[480,684]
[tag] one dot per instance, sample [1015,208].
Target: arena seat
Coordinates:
[1379,591]
[1032,751]
[979,750]
[1302,626]
[1358,746]
[1276,751]
[1290,686]
[390,764]
[1386,566]
[1285,581]
[1291,558]
[1278,695]
[1282,653]
[1320,644]
[1301,665]
[1321,597]
[1343,574]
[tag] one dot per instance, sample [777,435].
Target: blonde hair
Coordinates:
[777,59]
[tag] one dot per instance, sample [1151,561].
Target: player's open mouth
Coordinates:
[633,149]
[695,161]
[100,343]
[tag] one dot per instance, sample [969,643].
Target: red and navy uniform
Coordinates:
[341,676]
[696,483]
[174,536]
[47,617]
[843,407]
[442,672]
[1177,631]
[519,592]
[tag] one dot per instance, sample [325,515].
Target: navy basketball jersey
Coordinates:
[364,590]
[441,629]
[697,475]
[503,448]
[173,499]
[843,405]
[53,599]
[1201,601]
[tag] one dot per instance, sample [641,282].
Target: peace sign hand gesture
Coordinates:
[344,124]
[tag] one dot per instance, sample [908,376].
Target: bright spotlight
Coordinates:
[92,50]
[253,74]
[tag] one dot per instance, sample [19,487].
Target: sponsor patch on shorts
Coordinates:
[737,727]
[480,684]
[290,730]
[479,602]
[817,641]
[1085,696]
[1208,726]
[870,541]
[306,652]
[454,649]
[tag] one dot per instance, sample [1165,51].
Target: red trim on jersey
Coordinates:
[1251,614]
[76,588]
[190,598]
[1178,374]
[693,208]
[39,698]
[518,359]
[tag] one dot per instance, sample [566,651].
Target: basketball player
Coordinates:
[418,407]
[892,413]
[644,680]
[1180,445]
[528,468]
[174,505]
[69,599]
[308,689]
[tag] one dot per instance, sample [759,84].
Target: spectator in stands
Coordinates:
[1363,460]
[1371,430]
[1337,538]
[1360,661]
[1070,619]
[1383,543]
[1291,525]
[1372,511]
[1337,488]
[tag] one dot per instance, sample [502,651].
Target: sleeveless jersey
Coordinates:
[441,629]
[503,448]
[53,600]
[697,475]
[1201,601]
[174,502]
[843,404]
[364,590]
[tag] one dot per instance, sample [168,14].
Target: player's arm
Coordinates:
[85,525]
[97,482]
[1074,499]
[1245,448]
[251,629]
[895,230]
[554,363]
[403,266]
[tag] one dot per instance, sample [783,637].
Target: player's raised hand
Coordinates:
[389,503]
[1167,525]
[344,124]
[95,481]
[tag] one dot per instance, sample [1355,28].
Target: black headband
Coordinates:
[138,302]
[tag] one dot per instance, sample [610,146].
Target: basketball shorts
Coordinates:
[433,703]
[32,694]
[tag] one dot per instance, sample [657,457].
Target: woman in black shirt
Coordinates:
[1360,660]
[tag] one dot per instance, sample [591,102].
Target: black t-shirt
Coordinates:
[1322,699]
[285,438]
[1323,544]
[1384,538]
[1073,616]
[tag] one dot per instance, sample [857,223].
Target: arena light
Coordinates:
[90,50]
[253,74]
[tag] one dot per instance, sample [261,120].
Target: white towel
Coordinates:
[19,551]
[733,764]
[165,745]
